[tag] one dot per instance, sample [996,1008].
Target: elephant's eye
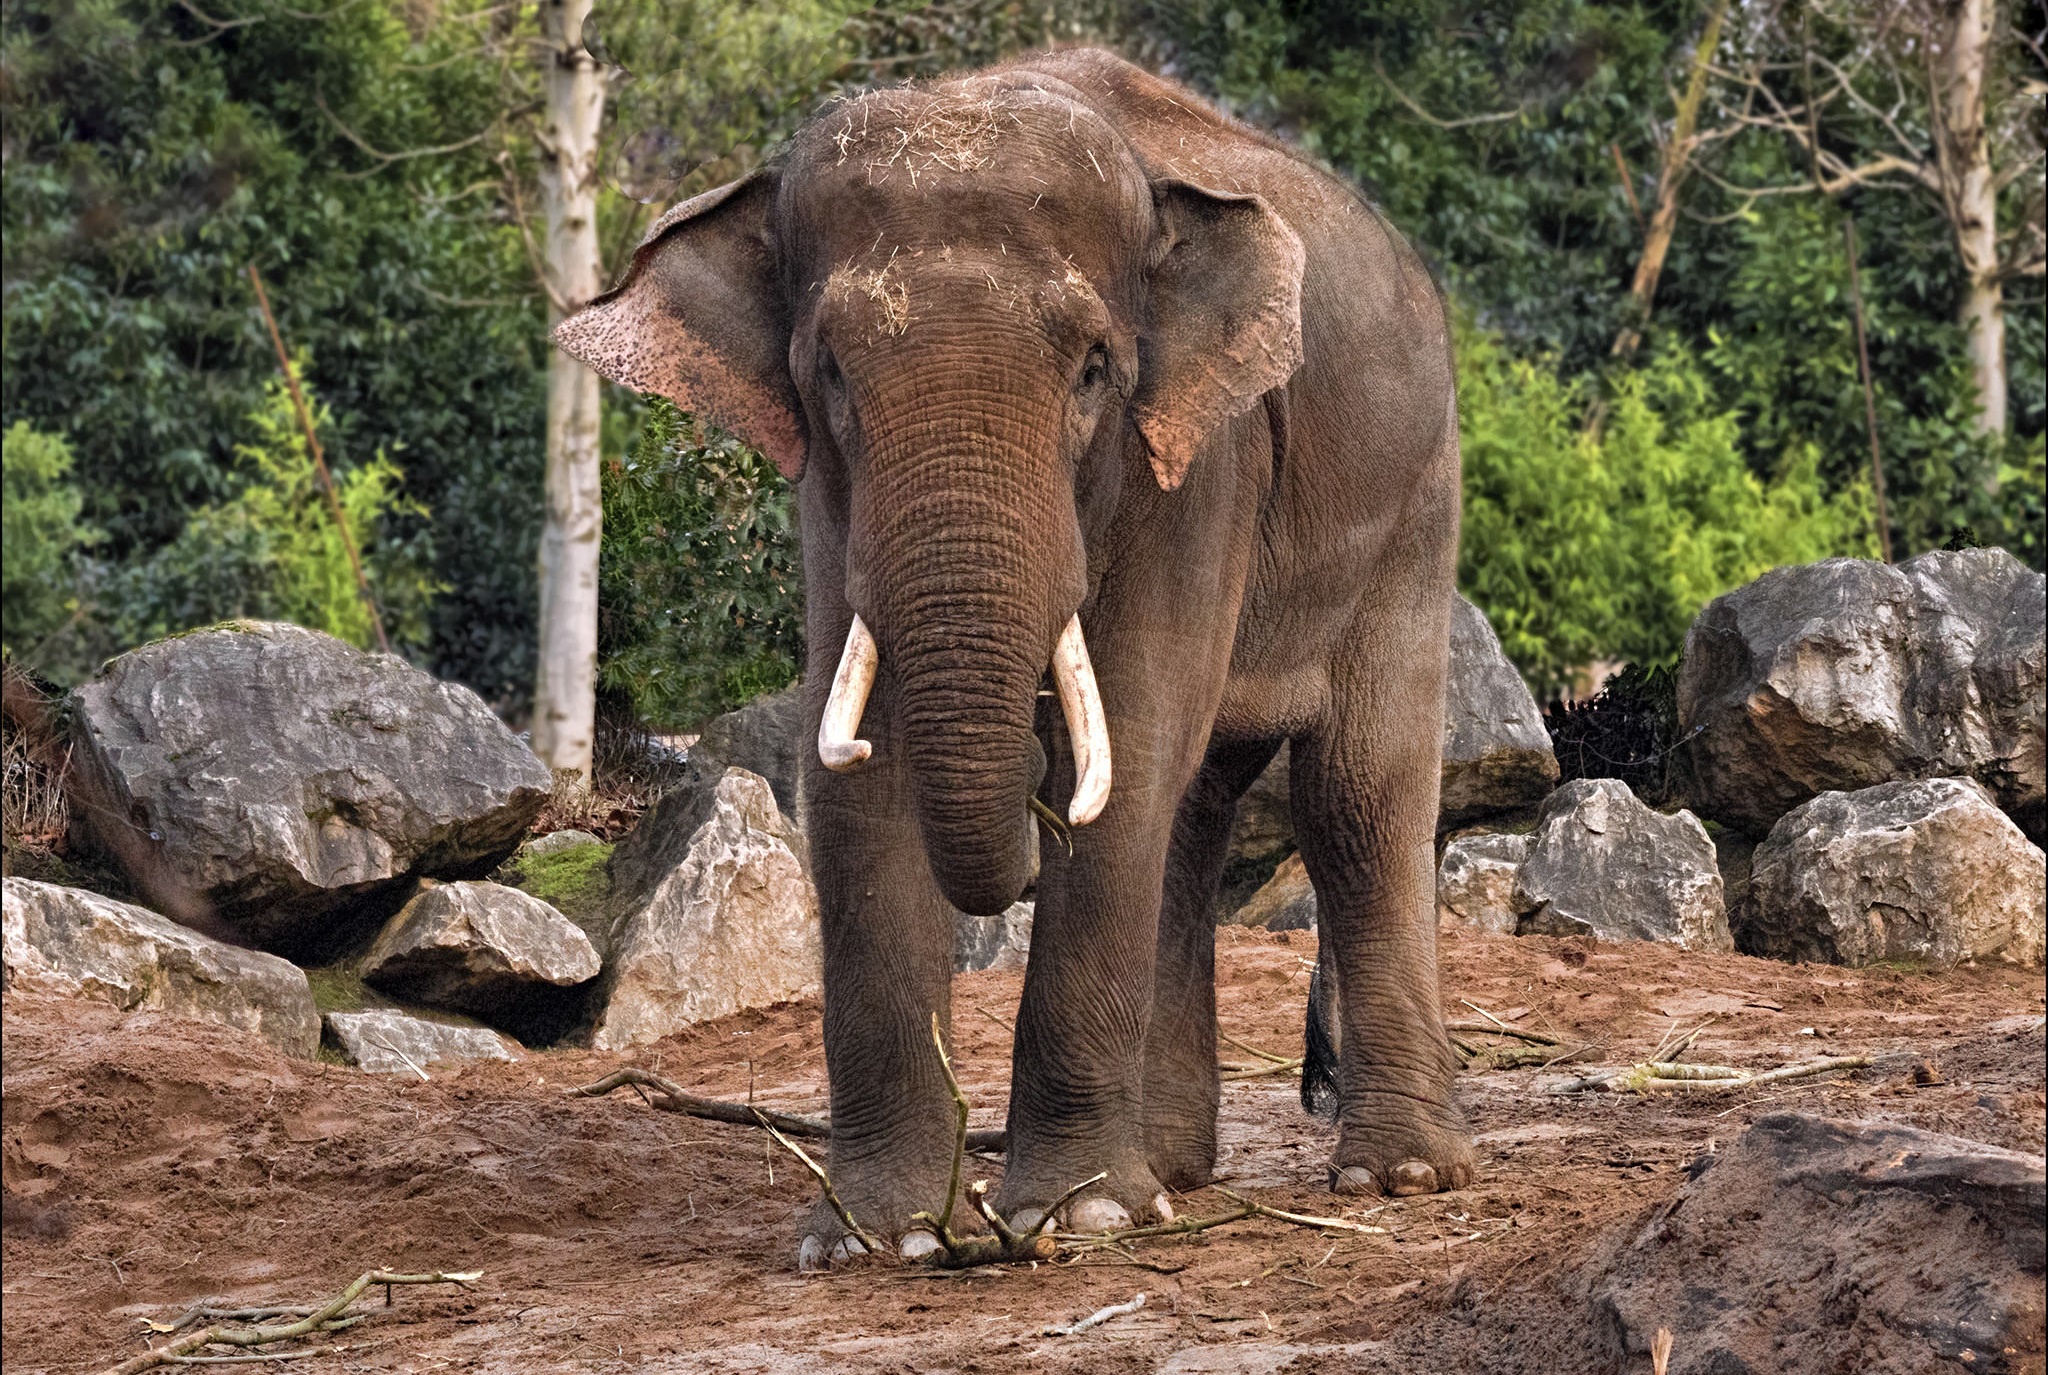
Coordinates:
[1095,371]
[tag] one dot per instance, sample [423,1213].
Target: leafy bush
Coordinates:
[40,539]
[1582,547]
[701,600]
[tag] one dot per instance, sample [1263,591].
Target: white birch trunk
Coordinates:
[1972,193]
[565,683]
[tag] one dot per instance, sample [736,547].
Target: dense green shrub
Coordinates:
[40,538]
[700,594]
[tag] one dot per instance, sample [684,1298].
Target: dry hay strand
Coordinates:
[36,761]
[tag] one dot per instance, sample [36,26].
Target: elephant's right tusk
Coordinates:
[837,746]
[1087,726]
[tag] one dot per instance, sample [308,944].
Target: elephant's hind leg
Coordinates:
[1181,1091]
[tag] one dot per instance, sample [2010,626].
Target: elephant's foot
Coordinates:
[884,1204]
[1392,1146]
[1129,1194]
[1182,1154]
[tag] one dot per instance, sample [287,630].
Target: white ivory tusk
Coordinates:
[1087,727]
[837,746]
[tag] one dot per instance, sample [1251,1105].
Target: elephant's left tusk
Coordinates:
[837,746]
[1087,727]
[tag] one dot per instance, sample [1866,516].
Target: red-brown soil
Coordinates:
[151,1162]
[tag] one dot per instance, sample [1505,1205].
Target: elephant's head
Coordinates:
[955,307]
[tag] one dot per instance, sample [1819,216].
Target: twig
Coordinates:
[1487,1015]
[1254,1050]
[1262,1071]
[859,1233]
[1098,1317]
[386,1045]
[1655,1074]
[1660,1351]
[170,1352]
[1502,1029]
[251,1359]
[1179,1227]
[674,1098]
[960,1123]
[997,1020]
[1303,1219]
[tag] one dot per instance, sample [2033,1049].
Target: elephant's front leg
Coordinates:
[888,944]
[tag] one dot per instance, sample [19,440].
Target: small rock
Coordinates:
[71,943]
[1002,941]
[554,842]
[387,1042]
[479,948]
[712,912]
[1475,883]
[1602,863]
[283,781]
[1286,903]
[1926,872]
[1847,673]
[1812,1244]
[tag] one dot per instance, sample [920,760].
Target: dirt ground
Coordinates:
[150,1163]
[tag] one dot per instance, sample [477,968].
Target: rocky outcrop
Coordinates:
[764,737]
[1002,941]
[712,912]
[1927,872]
[387,1042]
[479,948]
[1287,902]
[1497,756]
[1845,674]
[1602,863]
[1475,883]
[1812,1244]
[279,780]
[66,942]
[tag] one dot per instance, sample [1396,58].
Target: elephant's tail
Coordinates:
[1319,1042]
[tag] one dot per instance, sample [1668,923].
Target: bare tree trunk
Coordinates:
[1972,193]
[565,683]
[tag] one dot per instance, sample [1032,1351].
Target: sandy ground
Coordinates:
[151,1162]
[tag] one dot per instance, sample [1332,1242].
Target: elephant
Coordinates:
[1125,448]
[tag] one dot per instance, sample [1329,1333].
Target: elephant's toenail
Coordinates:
[918,1245]
[1024,1219]
[1099,1214]
[1354,1179]
[1413,1177]
[810,1256]
[1162,1207]
[848,1248]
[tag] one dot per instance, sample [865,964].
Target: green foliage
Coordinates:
[700,594]
[575,882]
[1582,548]
[273,551]
[40,537]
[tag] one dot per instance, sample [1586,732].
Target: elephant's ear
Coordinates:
[1225,324]
[700,319]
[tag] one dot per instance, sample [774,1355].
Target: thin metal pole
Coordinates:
[1884,527]
[291,378]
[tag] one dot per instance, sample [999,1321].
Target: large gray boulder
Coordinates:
[1924,872]
[1604,864]
[1002,941]
[66,942]
[385,1041]
[712,912]
[1497,756]
[1845,674]
[1475,884]
[1811,1244]
[1286,902]
[763,737]
[480,948]
[283,781]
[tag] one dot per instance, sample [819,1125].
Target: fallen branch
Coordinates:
[321,1319]
[1098,1317]
[1336,1224]
[1672,1077]
[853,1228]
[672,1097]
[1502,1029]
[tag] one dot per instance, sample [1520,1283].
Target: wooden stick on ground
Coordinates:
[319,1320]
[858,1232]
[674,1098]
[1669,1076]
[1098,1317]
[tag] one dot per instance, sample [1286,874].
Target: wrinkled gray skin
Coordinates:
[1057,337]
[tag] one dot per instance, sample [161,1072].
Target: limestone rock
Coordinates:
[1927,872]
[1812,1244]
[1286,903]
[479,948]
[1002,941]
[1845,674]
[1475,883]
[71,943]
[1497,756]
[712,912]
[1602,863]
[275,778]
[764,737]
[554,842]
[387,1042]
